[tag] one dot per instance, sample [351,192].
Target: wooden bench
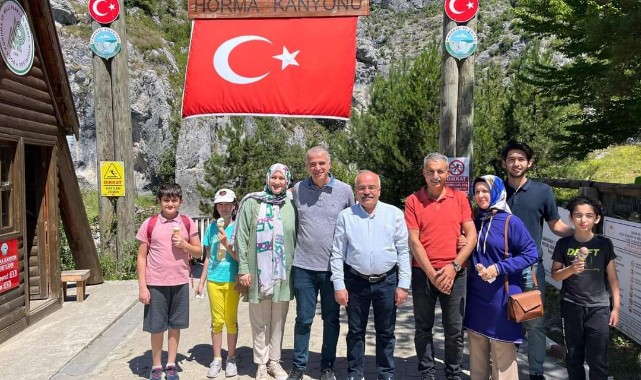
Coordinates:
[79,276]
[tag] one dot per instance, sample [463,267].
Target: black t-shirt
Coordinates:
[588,288]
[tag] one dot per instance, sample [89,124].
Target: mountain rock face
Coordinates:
[396,29]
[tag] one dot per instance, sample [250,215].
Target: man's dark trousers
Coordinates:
[425,295]
[381,296]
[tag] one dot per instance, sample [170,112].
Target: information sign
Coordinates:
[9,265]
[112,178]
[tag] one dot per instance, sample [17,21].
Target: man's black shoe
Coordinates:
[428,376]
[296,374]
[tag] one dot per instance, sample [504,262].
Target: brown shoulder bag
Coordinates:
[524,306]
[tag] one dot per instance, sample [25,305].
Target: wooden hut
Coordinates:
[38,185]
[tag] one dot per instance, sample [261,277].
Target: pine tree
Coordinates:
[602,42]
[400,126]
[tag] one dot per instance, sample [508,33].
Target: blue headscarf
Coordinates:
[498,195]
[498,203]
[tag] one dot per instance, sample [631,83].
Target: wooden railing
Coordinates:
[203,223]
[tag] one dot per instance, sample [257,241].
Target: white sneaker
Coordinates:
[261,372]
[215,367]
[276,371]
[231,369]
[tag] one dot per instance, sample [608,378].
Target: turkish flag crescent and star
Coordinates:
[273,67]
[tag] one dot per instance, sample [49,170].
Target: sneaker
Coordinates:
[276,371]
[296,374]
[261,372]
[327,374]
[156,374]
[215,367]
[171,373]
[231,369]
[428,376]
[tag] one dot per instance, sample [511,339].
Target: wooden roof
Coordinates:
[53,65]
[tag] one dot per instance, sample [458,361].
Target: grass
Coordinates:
[624,354]
[614,165]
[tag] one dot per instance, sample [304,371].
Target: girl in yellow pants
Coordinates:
[221,268]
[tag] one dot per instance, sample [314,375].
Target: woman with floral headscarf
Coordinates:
[264,240]
[492,337]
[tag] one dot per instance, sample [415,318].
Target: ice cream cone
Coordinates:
[583,254]
[176,230]
[222,252]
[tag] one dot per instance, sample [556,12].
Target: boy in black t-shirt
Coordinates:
[584,262]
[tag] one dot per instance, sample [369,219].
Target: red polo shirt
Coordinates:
[439,223]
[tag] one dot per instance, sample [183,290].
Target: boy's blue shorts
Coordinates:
[169,308]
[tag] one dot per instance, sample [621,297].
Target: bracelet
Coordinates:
[496,267]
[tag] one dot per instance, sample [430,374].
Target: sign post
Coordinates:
[113,127]
[457,85]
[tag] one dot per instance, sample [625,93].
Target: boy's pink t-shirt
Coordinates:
[166,264]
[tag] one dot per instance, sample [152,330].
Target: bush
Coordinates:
[111,268]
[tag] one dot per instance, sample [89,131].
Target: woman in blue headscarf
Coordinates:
[264,241]
[492,337]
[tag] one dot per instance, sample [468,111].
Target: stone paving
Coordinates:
[108,343]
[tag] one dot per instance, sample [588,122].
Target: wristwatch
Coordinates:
[457,266]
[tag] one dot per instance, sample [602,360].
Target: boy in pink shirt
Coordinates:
[167,241]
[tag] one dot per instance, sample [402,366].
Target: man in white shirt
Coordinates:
[370,264]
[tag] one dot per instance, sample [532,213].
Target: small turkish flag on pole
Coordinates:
[300,67]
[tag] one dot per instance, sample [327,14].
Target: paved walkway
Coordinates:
[102,338]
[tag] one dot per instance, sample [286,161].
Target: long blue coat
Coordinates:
[486,304]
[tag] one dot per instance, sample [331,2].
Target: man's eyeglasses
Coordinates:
[363,188]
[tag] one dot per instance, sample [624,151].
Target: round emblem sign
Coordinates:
[16,38]
[461,10]
[105,42]
[461,42]
[104,11]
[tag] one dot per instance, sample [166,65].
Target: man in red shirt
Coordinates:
[436,215]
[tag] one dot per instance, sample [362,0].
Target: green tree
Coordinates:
[490,102]
[400,126]
[508,106]
[602,41]
[253,145]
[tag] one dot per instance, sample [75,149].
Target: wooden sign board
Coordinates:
[218,9]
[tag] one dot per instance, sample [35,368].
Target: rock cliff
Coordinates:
[395,29]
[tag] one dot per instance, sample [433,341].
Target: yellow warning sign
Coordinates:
[112,178]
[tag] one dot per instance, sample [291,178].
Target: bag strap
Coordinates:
[154,219]
[506,250]
[150,227]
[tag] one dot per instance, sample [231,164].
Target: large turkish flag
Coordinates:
[277,67]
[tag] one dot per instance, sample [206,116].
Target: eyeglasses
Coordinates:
[363,188]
